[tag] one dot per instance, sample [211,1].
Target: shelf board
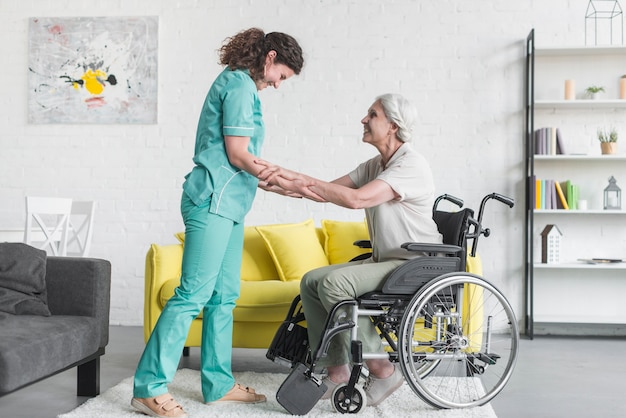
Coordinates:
[580,265]
[578,212]
[579,104]
[580,50]
[580,157]
[579,319]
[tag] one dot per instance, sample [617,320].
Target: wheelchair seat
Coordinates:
[439,259]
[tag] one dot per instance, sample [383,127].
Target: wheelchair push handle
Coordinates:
[456,200]
[510,202]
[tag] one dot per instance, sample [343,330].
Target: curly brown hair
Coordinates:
[248,49]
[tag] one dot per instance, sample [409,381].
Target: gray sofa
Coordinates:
[76,332]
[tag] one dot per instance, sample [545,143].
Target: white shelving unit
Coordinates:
[573,291]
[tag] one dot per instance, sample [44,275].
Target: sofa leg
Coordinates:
[185,351]
[88,382]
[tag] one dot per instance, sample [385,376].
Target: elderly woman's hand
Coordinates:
[269,172]
[278,190]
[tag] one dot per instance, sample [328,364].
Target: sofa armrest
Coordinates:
[80,287]
[163,263]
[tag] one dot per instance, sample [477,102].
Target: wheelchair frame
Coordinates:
[453,333]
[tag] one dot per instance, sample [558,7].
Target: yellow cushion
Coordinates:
[294,248]
[256,261]
[340,237]
[266,301]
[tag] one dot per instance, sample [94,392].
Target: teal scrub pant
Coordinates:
[210,282]
[323,288]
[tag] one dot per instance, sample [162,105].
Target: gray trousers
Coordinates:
[322,288]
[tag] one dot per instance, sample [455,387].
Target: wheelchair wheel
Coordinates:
[465,325]
[348,405]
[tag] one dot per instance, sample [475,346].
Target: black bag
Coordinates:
[300,391]
[291,341]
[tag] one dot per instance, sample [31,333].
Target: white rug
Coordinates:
[115,402]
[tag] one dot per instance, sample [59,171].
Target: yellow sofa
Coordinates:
[274,259]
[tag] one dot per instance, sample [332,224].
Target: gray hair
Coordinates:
[401,112]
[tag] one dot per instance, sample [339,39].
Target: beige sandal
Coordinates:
[240,394]
[162,406]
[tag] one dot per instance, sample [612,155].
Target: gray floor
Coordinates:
[554,377]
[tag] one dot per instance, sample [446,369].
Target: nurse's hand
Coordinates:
[278,190]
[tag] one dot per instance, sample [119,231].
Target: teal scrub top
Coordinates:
[232,107]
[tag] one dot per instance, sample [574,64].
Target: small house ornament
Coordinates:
[551,245]
[612,196]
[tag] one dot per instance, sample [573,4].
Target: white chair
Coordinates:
[51,226]
[81,228]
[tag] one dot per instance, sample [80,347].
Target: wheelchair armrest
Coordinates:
[363,243]
[432,248]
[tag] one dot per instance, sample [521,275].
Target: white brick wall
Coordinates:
[460,61]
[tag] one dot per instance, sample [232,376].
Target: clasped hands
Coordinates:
[287,182]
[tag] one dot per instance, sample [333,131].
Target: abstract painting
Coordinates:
[100,70]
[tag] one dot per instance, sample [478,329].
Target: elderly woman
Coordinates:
[396,190]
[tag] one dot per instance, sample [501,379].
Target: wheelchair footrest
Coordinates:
[300,391]
[487,358]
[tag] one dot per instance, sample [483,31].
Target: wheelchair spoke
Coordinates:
[464,326]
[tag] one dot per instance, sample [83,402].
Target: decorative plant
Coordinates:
[604,136]
[595,89]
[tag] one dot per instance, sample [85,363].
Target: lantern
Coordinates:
[612,196]
[601,14]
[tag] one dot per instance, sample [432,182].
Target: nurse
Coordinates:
[217,194]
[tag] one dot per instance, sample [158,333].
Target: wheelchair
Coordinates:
[453,333]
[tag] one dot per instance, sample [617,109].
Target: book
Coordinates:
[537,140]
[541,141]
[547,194]
[548,141]
[560,149]
[600,260]
[575,193]
[559,192]
[537,194]
[553,197]
[566,187]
